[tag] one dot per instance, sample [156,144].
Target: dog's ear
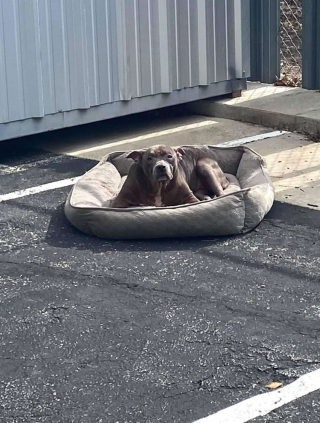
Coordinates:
[180,153]
[135,155]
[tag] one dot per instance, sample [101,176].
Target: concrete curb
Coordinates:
[272,119]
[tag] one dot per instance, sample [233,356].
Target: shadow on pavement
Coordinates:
[294,215]
[63,235]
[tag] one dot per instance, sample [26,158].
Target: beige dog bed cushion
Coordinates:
[248,198]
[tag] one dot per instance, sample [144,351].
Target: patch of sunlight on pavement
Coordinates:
[295,160]
[258,93]
[300,181]
[296,175]
[293,163]
[151,135]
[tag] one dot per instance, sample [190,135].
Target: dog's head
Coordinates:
[159,162]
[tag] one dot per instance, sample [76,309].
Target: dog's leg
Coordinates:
[119,203]
[184,194]
[210,172]
[202,195]
[191,199]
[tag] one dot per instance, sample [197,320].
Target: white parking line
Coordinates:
[253,138]
[8,170]
[263,404]
[146,136]
[72,181]
[175,130]
[40,188]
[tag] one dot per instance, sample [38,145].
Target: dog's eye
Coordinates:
[169,156]
[149,159]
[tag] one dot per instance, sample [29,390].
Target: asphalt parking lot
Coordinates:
[96,331]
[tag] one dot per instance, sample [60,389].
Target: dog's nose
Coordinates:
[162,168]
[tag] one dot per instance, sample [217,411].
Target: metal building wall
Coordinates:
[62,55]
[311,44]
[265,40]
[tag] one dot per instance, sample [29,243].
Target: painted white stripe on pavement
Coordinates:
[8,170]
[246,140]
[179,129]
[40,188]
[72,181]
[146,137]
[263,404]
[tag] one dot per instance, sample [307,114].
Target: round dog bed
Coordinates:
[246,201]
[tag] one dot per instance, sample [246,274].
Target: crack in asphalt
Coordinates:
[273,267]
[130,285]
[133,286]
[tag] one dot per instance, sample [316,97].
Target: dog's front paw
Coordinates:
[206,198]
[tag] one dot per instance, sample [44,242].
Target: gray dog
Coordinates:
[163,176]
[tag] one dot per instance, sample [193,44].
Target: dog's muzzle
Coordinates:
[162,171]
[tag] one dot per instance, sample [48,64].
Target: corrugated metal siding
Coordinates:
[61,55]
[265,40]
[311,44]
